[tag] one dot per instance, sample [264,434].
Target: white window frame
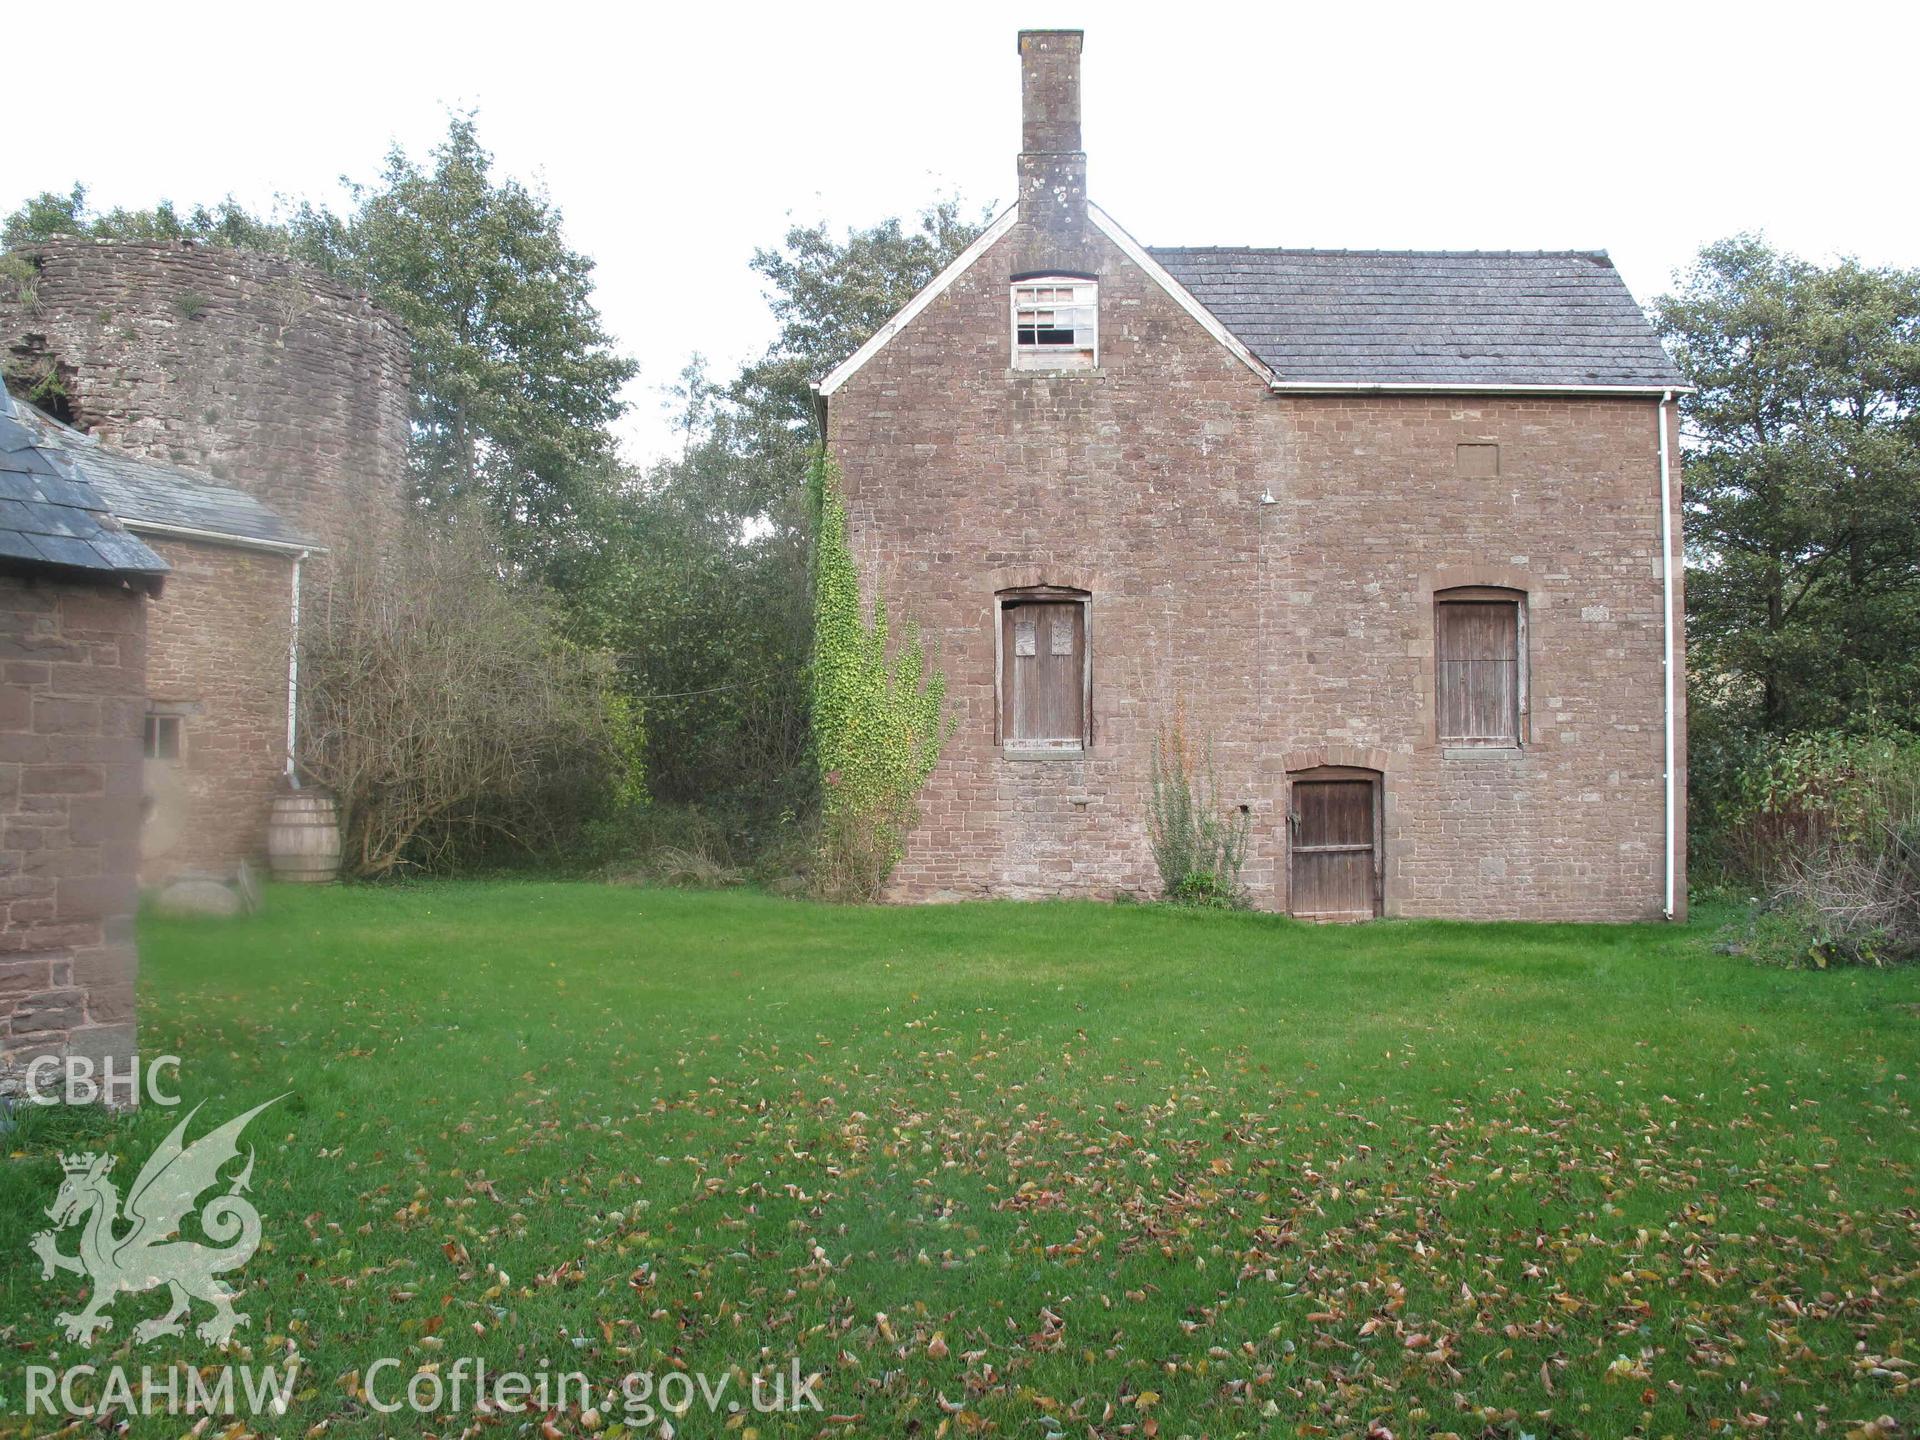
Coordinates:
[1039,295]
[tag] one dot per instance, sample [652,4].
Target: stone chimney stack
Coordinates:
[1053,167]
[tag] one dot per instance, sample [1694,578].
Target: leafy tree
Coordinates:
[695,574]
[1803,489]
[516,382]
[442,707]
[829,296]
[710,634]
[698,576]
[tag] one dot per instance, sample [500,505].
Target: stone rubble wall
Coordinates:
[73,660]
[217,645]
[254,369]
[265,375]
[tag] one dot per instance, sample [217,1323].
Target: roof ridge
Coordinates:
[1409,254]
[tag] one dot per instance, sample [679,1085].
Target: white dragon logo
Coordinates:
[149,1254]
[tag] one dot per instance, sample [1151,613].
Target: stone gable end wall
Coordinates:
[1297,629]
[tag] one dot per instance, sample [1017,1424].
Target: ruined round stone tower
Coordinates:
[254,369]
[244,409]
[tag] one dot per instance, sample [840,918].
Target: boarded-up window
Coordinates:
[1479,670]
[1043,673]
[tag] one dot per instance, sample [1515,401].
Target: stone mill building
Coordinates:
[1398,531]
[242,416]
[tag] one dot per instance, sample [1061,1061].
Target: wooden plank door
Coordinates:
[1335,850]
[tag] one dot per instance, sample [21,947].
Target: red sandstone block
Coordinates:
[67,678]
[54,779]
[47,1011]
[53,716]
[94,897]
[99,612]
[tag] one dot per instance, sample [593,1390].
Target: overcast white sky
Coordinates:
[676,140]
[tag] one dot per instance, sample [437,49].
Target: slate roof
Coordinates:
[51,518]
[1432,317]
[141,490]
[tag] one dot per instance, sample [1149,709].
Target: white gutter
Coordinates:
[220,537]
[293,675]
[1666,630]
[1429,387]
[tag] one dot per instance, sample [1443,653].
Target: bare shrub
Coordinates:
[1832,834]
[1199,848]
[693,870]
[439,702]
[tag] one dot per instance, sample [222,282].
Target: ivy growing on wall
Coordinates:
[878,721]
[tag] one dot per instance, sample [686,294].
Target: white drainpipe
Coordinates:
[293,676]
[1666,600]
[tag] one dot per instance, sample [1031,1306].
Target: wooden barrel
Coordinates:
[303,837]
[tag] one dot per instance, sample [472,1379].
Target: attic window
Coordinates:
[1056,321]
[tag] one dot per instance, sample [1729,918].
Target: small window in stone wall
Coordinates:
[163,737]
[1056,323]
[1477,461]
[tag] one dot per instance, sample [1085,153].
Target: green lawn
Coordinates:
[1031,1170]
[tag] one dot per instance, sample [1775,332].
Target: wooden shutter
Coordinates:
[1043,654]
[1477,671]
